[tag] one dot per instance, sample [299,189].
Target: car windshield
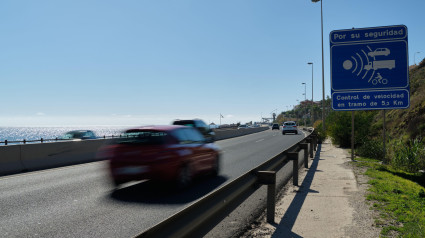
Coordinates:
[143,137]
[184,123]
[289,124]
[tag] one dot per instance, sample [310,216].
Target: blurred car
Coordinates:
[243,127]
[200,125]
[289,127]
[275,126]
[168,153]
[79,134]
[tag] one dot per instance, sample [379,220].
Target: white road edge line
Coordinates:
[42,171]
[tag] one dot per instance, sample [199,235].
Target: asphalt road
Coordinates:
[80,201]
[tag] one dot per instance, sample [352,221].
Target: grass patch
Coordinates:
[398,196]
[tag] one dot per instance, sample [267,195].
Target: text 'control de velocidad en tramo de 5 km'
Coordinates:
[374,100]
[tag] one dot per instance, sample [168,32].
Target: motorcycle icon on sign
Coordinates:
[379,79]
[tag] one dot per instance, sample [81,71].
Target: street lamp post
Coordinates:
[296,114]
[305,99]
[273,115]
[323,66]
[312,102]
[414,57]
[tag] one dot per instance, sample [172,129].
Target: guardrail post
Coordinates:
[294,157]
[304,146]
[269,178]
[315,142]
[311,142]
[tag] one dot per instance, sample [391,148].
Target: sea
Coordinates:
[37,133]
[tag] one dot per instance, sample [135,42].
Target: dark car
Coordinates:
[79,134]
[200,125]
[164,153]
[275,126]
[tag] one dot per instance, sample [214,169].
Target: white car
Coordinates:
[289,127]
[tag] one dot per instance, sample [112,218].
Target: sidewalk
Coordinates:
[328,203]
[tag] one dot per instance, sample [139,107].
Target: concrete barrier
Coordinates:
[30,157]
[10,159]
[230,133]
[50,155]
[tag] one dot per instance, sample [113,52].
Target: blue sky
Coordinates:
[149,62]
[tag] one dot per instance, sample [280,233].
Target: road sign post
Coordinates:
[369,68]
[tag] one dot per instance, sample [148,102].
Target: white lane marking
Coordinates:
[259,140]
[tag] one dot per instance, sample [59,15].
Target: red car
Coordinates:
[166,153]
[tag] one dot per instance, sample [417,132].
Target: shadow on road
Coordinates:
[152,192]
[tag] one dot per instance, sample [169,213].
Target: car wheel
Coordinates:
[185,177]
[117,183]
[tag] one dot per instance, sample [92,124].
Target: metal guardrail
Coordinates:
[24,141]
[42,140]
[200,217]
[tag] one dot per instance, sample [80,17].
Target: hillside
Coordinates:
[408,123]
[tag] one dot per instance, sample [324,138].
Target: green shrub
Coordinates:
[321,134]
[339,127]
[409,157]
[371,148]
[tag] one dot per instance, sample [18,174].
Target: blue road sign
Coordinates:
[370,68]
